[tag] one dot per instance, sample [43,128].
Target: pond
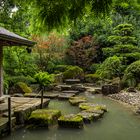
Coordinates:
[119,123]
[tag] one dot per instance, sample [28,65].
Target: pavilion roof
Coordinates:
[8,38]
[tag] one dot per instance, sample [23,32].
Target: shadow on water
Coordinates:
[119,123]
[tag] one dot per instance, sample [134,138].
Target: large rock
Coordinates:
[71,121]
[43,118]
[110,89]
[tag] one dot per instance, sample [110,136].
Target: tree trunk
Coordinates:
[1,71]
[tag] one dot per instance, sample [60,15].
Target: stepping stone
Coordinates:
[51,95]
[43,118]
[72,81]
[65,87]
[85,106]
[87,116]
[77,100]
[95,111]
[78,87]
[71,121]
[65,96]
[17,95]
[45,95]
[95,90]
[70,91]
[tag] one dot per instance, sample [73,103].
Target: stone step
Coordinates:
[72,81]
[70,91]
[45,95]
[65,96]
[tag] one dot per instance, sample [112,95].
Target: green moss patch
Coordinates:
[85,106]
[43,117]
[71,121]
[77,100]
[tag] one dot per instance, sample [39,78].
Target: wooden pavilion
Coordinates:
[8,38]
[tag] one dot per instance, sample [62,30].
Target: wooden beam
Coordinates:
[1,71]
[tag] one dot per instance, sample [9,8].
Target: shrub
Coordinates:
[73,72]
[110,68]
[129,52]
[62,68]
[132,74]
[94,67]
[12,80]
[44,79]
[92,78]
[83,52]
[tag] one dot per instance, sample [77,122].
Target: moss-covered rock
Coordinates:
[77,100]
[85,106]
[43,118]
[20,87]
[87,116]
[96,111]
[71,121]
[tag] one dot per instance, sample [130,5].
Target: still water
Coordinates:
[118,124]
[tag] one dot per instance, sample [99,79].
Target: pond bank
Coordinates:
[131,99]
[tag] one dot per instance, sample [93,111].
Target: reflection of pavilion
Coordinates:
[8,38]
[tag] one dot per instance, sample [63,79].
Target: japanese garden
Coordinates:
[69,69]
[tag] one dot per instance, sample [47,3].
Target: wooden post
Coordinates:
[9,115]
[42,91]
[1,71]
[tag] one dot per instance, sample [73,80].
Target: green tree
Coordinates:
[123,44]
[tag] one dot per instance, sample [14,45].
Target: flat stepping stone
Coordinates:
[95,111]
[87,116]
[85,106]
[45,95]
[95,90]
[65,87]
[71,121]
[65,96]
[70,91]
[51,95]
[43,118]
[79,87]
[72,81]
[17,95]
[77,100]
